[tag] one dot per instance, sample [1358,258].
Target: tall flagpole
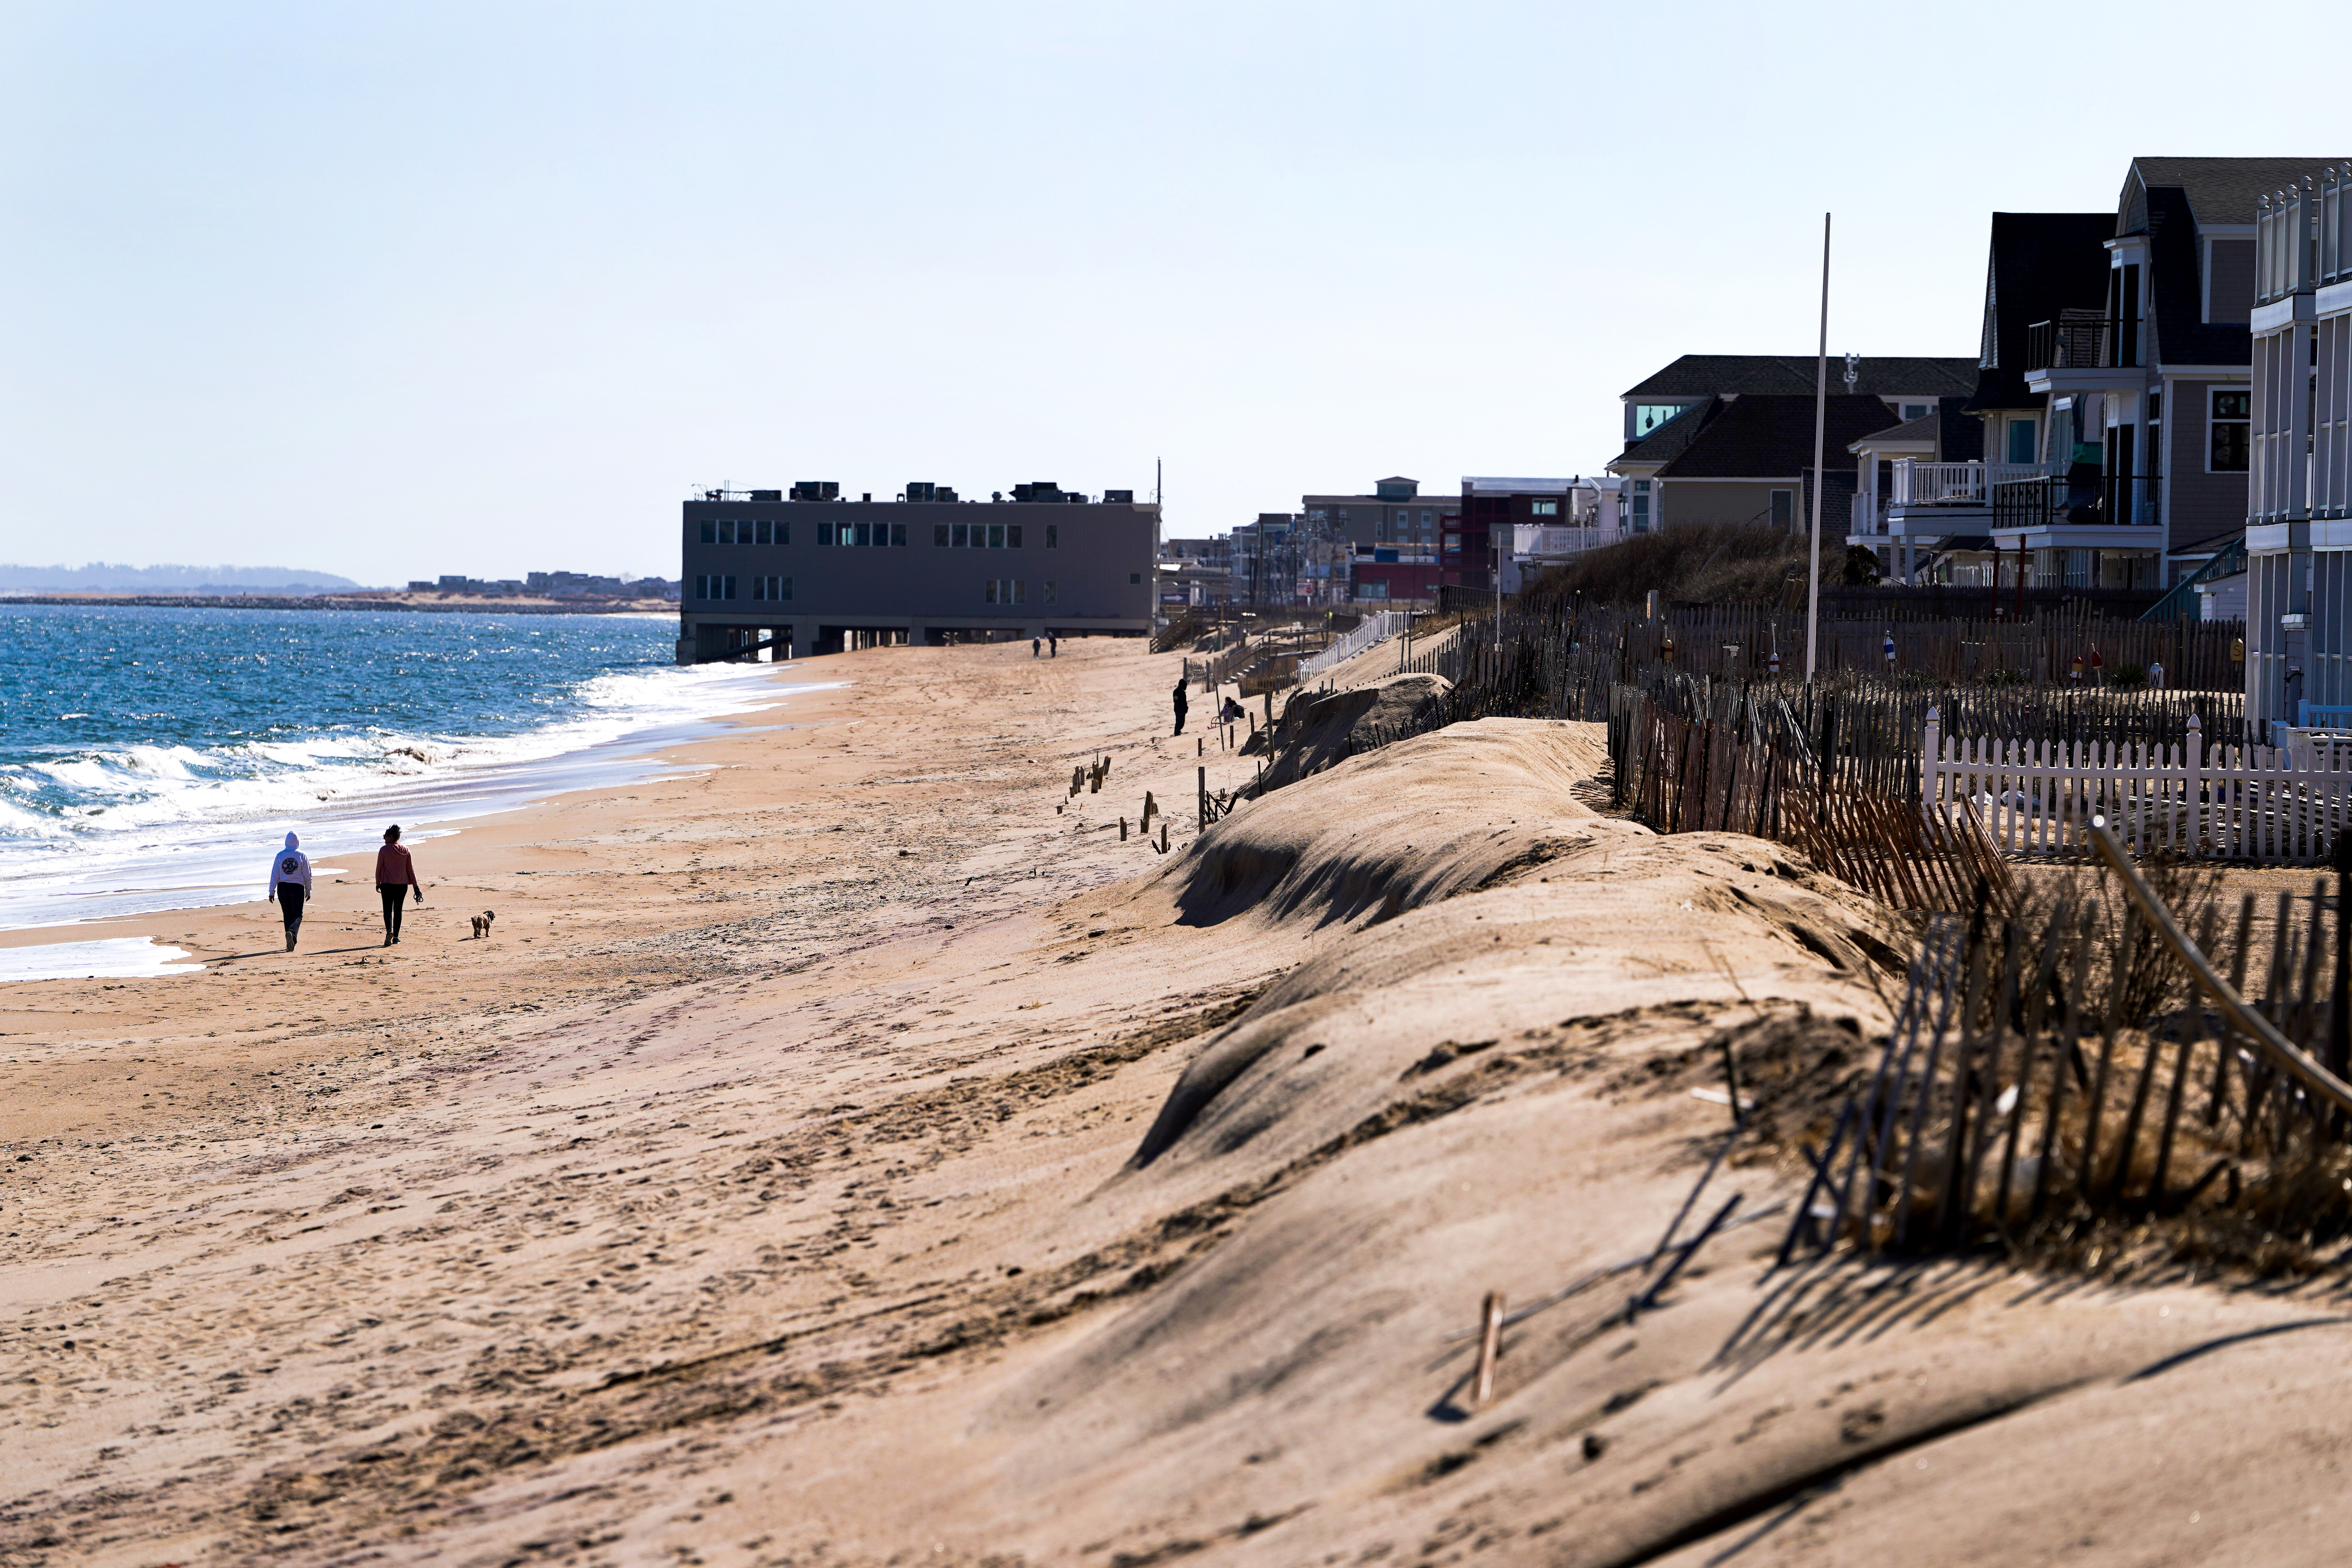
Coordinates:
[1820,417]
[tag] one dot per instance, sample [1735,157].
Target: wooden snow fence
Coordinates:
[1751,773]
[2049,1074]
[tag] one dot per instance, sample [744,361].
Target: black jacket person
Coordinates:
[1180,707]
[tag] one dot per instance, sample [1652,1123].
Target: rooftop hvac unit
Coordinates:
[1118,498]
[768,495]
[816,489]
[921,490]
[944,493]
[1037,490]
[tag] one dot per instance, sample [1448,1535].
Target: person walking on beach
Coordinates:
[1053,646]
[1180,705]
[1036,646]
[290,886]
[396,879]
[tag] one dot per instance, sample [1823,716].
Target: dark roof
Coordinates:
[1670,439]
[2039,264]
[2218,190]
[1744,375]
[1772,437]
[1927,428]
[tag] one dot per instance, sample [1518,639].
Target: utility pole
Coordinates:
[1820,419]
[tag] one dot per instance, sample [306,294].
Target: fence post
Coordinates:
[2196,783]
[1930,782]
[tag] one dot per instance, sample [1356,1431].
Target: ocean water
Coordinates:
[151,759]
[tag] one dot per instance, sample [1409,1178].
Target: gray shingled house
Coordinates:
[2147,384]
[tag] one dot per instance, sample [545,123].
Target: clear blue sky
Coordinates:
[392,291]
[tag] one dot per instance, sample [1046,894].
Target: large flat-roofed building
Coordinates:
[804,572]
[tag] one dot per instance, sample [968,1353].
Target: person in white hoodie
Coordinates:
[289,885]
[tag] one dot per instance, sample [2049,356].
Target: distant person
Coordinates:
[396,879]
[2156,674]
[1180,705]
[1233,712]
[1036,646]
[290,886]
[1053,646]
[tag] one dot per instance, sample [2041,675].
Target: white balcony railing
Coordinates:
[1869,516]
[1955,484]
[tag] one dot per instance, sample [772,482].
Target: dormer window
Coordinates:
[1648,416]
[1917,411]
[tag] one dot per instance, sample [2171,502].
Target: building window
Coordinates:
[1543,508]
[1053,541]
[2233,414]
[1917,410]
[1427,517]
[773,589]
[824,533]
[897,536]
[1012,536]
[701,586]
[2022,445]
[1648,416]
[996,536]
[939,535]
[729,583]
[1006,590]
[709,531]
[959,535]
[1640,506]
[767,531]
[1049,584]
[864,534]
[1134,579]
[1784,509]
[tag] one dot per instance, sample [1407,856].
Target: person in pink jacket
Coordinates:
[396,879]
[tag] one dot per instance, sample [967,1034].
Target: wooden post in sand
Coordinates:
[1123,830]
[1150,805]
[1200,801]
[1490,1347]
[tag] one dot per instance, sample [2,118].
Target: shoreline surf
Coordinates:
[190,843]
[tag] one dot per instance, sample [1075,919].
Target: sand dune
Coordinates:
[856,1153]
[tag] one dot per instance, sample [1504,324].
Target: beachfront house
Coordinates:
[1691,455]
[2298,449]
[2149,385]
[805,572]
[1924,503]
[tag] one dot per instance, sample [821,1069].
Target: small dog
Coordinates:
[482,923]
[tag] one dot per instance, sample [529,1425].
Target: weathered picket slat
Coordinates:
[2229,803]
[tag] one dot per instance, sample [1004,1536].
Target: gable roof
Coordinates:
[1770,436]
[2037,265]
[2218,190]
[1747,376]
[1927,428]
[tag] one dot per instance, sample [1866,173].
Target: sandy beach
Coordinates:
[852,1151]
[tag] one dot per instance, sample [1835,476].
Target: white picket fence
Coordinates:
[1377,628]
[2237,802]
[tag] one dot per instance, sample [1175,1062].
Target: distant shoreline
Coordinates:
[433,605]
